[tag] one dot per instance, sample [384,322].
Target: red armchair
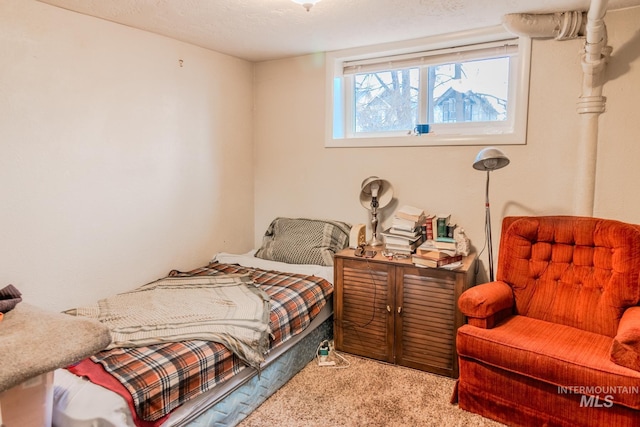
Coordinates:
[555,340]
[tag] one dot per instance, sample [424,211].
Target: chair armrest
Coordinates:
[625,349]
[486,304]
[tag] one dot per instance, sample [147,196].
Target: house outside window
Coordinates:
[472,88]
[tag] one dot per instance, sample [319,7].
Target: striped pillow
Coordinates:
[304,241]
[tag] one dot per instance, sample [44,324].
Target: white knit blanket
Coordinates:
[229,309]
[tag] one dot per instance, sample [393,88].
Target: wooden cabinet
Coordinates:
[393,311]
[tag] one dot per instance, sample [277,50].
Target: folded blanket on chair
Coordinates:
[229,309]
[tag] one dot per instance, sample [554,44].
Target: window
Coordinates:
[472,88]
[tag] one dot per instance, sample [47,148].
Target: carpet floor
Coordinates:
[366,393]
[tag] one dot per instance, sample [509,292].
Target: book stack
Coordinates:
[400,244]
[407,218]
[437,253]
[405,233]
[428,225]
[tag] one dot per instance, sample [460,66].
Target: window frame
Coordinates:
[455,134]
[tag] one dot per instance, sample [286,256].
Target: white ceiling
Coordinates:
[259,30]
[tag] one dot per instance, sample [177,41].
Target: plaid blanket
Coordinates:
[162,377]
[225,308]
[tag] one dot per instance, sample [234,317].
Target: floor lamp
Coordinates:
[489,159]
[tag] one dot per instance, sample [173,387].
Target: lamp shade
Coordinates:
[375,187]
[489,159]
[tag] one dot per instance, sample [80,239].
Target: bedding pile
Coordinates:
[229,309]
[156,379]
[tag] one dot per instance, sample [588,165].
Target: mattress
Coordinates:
[79,403]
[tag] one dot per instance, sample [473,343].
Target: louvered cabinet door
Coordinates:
[363,315]
[426,320]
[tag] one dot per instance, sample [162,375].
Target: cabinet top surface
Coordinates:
[348,253]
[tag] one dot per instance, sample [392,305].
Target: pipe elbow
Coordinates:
[532,25]
[559,26]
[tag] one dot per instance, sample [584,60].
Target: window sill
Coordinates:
[432,139]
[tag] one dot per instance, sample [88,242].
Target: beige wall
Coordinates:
[297,176]
[618,172]
[116,162]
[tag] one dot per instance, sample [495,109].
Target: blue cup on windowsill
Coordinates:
[421,129]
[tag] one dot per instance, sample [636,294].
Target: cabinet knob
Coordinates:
[399,310]
[389,309]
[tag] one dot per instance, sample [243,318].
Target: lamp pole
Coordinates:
[487,228]
[489,159]
[375,241]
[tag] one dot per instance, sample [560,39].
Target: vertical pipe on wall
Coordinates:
[590,105]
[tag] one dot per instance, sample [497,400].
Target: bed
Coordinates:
[119,387]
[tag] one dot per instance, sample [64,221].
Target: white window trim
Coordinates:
[334,68]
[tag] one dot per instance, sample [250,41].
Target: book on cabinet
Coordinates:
[442,221]
[428,225]
[399,243]
[391,236]
[410,213]
[405,224]
[437,246]
[435,263]
[434,255]
[410,234]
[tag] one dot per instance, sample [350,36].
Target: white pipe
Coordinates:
[567,25]
[596,53]
[584,194]
[590,105]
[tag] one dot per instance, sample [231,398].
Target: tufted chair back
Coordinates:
[577,271]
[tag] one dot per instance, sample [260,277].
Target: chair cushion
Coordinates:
[576,361]
[577,271]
